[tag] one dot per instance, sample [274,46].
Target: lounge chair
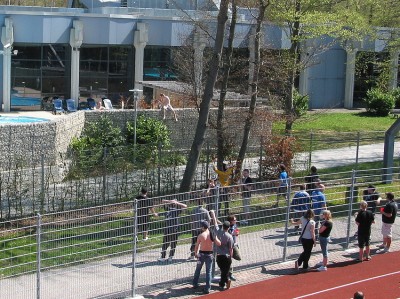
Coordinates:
[83,106]
[71,107]
[107,104]
[58,106]
[91,102]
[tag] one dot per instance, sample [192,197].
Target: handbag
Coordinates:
[236,253]
[301,236]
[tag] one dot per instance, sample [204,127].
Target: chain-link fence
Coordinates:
[92,252]
[62,181]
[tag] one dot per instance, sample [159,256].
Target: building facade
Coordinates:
[104,49]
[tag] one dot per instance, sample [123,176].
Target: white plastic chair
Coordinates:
[107,104]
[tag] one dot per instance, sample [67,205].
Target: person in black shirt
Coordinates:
[144,205]
[324,235]
[246,194]
[389,213]
[364,220]
[372,197]
[311,179]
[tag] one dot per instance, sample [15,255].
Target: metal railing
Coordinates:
[93,252]
[106,176]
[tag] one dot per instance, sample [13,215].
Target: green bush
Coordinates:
[300,103]
[148,131]
[396,95]
[378,102]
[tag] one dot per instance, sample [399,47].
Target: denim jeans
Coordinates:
[324,246]
[208,260]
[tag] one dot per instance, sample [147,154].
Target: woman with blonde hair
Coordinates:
[324,235]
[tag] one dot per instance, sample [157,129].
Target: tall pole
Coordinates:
[135,99]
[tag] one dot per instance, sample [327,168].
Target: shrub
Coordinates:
[378,102]
[396,95]
[151,134]
[300,103]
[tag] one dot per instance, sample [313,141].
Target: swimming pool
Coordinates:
[21,119]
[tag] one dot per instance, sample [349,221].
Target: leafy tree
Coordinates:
[204,111]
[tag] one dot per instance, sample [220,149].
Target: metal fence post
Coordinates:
[159,169]
[207,160]
[351,198]
[261,157]
[358,148]
[42,182]
[38,254]
[103,191]
[134,251]
[310,152]
[216,216]
[288,191]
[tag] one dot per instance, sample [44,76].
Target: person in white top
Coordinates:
[165,103]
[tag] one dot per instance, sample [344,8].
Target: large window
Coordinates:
[39,71]
[106,72]
[157,64]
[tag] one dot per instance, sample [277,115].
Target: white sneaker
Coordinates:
[384,250]
[170,259]
[322,268]
[145,239]
[162,259]
[319,264]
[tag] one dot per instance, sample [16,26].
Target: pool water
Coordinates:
[21,119]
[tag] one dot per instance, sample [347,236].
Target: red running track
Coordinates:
[378,278]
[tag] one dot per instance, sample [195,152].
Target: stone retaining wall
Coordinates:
[27,144]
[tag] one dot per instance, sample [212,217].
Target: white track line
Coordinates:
[347,284]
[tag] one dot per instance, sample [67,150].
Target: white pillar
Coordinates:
[350,72]
[140,41]
[75,41]
[394,69]
[199,43]
[7,39]
[303,77]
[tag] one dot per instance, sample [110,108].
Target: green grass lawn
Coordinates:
[338,122]
[324,130]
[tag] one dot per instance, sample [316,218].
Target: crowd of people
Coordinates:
[310,210]
[212,238]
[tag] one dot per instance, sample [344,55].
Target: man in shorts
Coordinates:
[389,213]
[364,220]
[165,102]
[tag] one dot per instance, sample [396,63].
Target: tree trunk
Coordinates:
[201,127]
[254,88]
[294,56]
[224,87]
